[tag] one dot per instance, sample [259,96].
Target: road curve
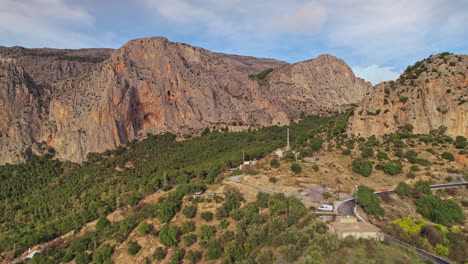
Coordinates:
[347,208]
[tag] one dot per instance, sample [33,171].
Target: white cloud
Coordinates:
[45,23]
[307,20]
[376,74]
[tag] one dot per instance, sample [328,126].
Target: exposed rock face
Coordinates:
[319,86]
[250,65]
[151,86]
[431,95]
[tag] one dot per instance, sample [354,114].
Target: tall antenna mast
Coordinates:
[288,148]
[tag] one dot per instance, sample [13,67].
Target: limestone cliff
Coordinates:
[93,100]
[430,95]
[319,86]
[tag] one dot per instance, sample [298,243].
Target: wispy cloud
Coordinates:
[46,23]
[376,73]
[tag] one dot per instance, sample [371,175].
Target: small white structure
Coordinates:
[279,153]
[31,252]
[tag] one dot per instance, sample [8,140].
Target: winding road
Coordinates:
[347,207]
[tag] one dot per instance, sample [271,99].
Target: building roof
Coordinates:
[354,227]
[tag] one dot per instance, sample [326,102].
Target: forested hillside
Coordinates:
[45,198]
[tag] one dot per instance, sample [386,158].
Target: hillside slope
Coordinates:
[431,95]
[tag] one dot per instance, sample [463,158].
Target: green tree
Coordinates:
[392,168]
[159,253]
[102,223]
[190,211]
[234,251]
[367,152]
[193,256]
[448,156]
[144,228]
[187,227]
[102,254]
[133,248]
[403,189]
[206,232]
[444,212]
[441,250]
[316,143]
[262,199]
[169,235]
[369,202]
[82,258]
[207,216]
[296,168]
[189,239]
[275,163]
[362,166]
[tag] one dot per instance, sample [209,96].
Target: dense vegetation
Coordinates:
[44,198]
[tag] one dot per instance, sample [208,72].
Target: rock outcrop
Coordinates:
[319,86]
[99,99]
[431,95]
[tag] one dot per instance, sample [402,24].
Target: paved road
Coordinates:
[347,208]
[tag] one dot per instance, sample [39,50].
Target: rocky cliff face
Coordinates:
[319,86]
[432,94]
[106,97]
[250,65]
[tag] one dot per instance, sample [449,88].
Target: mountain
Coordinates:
[81,101]
[430,96]
[249,65]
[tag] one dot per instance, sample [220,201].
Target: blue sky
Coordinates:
[377,38]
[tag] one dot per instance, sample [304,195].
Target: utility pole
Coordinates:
[288,148]
[243,157]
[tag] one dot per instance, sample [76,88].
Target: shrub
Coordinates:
[263,74]
[189,239]
[423,162]
[367,152]
[275,163]
[382,155]
[461,142]
[316,143]
[159,253]
[369,202]
[415,168]
[193,256]
[187,227]
[410,175]
[207,216]
[392,168]
[102,223]
[206,232]
[411,155]
[82,258]
[444,212]
[379,167]
[362,166]
[224,224]
[272,179]
[169,235]
[441,250]
[403,189]
[133,248]
[190,211]
[448,156]
[262,199]
[213,250]
[177,255]
[102,254]
[144,228]
[424,186]
[403,99]
[234,251]
[346,152]
[296,168]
